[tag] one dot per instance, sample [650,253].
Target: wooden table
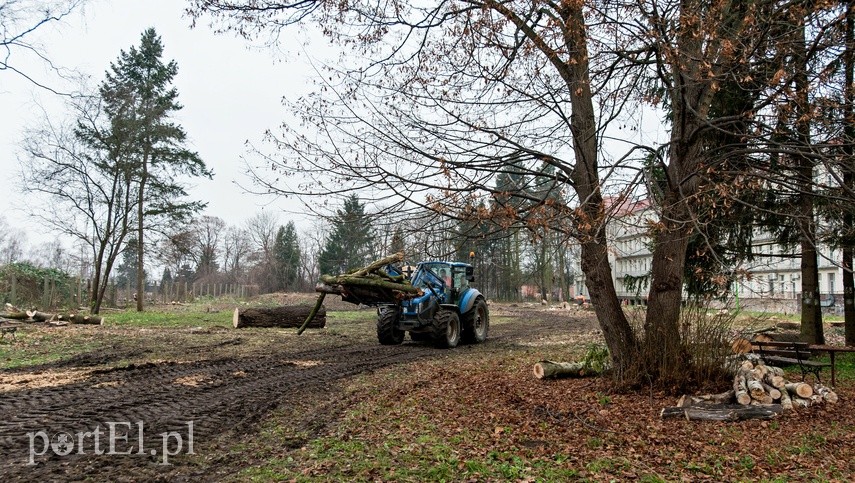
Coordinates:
[832,350]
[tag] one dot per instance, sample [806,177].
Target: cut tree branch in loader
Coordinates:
[312,314]
[369,285]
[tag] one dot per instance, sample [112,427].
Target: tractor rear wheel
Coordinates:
[476,323]
[388,332]
[446,329]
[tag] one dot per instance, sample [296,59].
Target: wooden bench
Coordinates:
[790,354]
[831,350]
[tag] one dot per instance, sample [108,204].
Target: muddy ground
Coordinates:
[147,384]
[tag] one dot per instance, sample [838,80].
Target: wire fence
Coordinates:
[53,292]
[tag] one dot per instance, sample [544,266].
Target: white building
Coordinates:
[773,274]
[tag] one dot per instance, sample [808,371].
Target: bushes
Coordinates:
[26,285]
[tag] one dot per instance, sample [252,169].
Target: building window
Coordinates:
[831,288]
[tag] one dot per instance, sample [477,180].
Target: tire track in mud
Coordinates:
[221,397]
[217,395]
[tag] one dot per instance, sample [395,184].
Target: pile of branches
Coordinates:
[759,392]
[370,285]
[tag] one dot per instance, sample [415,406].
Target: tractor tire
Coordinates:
[388,332]
[476,323]
[446,329]
[419,336]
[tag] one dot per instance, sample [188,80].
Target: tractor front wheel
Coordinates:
[446,329]
[388,332]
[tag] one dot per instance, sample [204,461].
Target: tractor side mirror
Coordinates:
[470,274]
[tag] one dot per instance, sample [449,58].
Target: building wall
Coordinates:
[774,274]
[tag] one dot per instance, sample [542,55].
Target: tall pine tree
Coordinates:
[142,82]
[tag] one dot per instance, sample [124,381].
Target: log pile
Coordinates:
[759,392]
[58,319]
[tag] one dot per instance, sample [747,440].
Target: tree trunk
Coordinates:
[811,329]
[849,176]
[285,316]
[585,175]
[616,329]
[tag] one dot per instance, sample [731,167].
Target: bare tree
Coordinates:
[81,169]
[11,242]
[262,229]
[20,21]
[236,250]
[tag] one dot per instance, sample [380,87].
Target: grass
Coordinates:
[30,349]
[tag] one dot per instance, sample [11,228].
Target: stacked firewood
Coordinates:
[759,392]
[756,383]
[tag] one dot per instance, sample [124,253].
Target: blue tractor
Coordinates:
[448,312]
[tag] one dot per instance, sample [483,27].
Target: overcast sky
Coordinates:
[230,92]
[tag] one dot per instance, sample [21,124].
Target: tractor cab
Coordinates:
[447,281]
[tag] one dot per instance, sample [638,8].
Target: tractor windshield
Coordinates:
[433,273]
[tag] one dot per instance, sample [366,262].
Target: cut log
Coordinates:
[86,319]
[551,369]
[773,392]
[724,412]
[755,387]
[367,281]
[78,319]
[741,346]
[799,389]
[827,394]
[774,381]
[283,316]
[40,316]
[800,402]
[14,313]
[707,399]
[376,266]
[740,388]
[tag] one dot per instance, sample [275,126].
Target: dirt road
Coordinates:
[50,432]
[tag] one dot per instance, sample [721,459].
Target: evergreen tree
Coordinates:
[138,88]
[349,245]
[397,243]
[126,271]
[286,253]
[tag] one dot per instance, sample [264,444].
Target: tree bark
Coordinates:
[284,316]
[811,311]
